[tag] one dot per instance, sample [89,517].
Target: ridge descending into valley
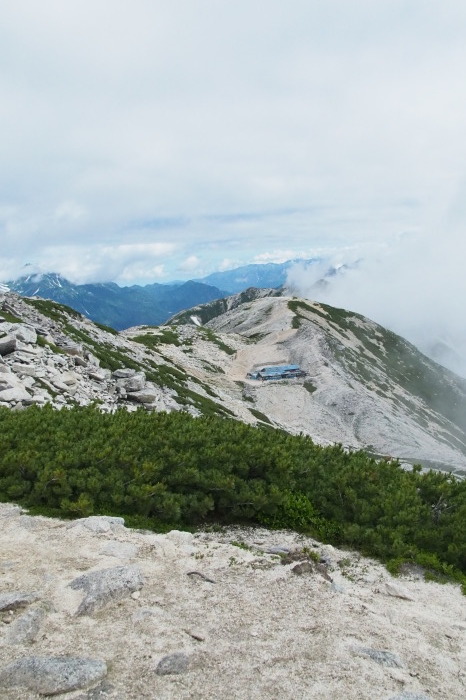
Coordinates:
[364,387]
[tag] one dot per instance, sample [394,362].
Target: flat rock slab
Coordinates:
[99,523]
[121,550]
[382,657]
[50,675]
[106,586]
[396,591]
[410,696]
[16,599]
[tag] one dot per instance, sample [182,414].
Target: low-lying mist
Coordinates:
[416,287]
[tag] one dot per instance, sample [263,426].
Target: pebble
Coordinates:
[172,663]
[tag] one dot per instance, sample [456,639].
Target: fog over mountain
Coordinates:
[416,286]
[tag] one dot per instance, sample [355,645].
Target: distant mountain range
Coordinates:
[151,304]
[118,307]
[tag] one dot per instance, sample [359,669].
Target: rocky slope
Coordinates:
[90,609]
[365,387]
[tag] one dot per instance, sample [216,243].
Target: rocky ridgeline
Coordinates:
[90,609]
[39,364]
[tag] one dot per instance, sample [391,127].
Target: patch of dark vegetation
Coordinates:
[256,336]
[152,341]
[173,470]
[260,416]
[52,309]
[107,329]
[309,386]
[213,338]
[175,378]
[9,317]
[43,343]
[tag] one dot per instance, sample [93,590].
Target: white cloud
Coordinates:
[190,264]
[416,286]
[69,211]
[238,128]
[279,256]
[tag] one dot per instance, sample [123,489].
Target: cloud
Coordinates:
[416,286]
[279,256]
[242,127]
[123,263]
[190,264]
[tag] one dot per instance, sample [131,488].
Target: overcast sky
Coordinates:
[152,140]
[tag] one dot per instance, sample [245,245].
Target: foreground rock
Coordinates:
[260,633]
[52,675]
[104,587]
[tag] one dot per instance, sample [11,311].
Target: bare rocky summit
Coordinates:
[213,615]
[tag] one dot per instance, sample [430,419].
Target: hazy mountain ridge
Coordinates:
[255,275]
[366,387]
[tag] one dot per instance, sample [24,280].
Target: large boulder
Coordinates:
[24,333]
[72,349]
[14,395]
[7,344]
[123,373]
[134,383]
[26,628]
[98,374]
[146,395]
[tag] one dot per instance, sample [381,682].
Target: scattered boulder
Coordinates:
[99,374]
[382,657]
[173,663]
[396,591]
[16,599]
[134,383]
[278,550]
[25,628]
[72,349]
[146,395]
[25,333]
[123,373]
[7,344]
[305,567]
[106,586]
[50,675]
[8,380]
[99,523]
